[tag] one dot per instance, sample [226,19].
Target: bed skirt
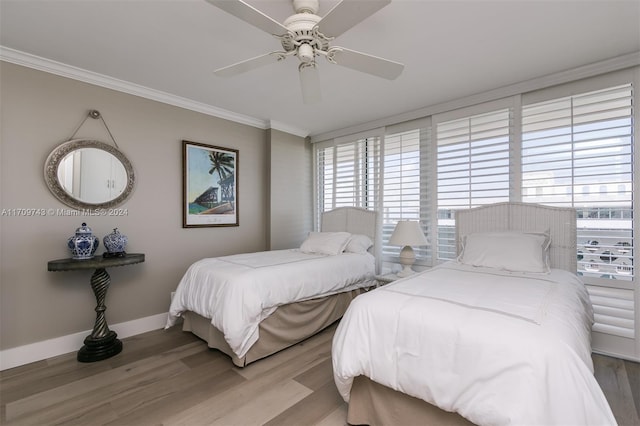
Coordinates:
[373,404]
[288,325]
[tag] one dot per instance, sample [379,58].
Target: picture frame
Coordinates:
[209,185]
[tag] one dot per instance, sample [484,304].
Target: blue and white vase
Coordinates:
[115,243]
[83,244]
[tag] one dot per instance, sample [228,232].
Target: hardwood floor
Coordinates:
[172,378]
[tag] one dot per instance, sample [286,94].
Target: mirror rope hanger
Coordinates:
[95,114]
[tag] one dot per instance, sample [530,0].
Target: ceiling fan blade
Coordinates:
[251,15]
[367,63]
[249,64]
[347,14]
[310,82]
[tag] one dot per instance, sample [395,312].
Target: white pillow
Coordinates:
[325,242]
[509,251]
[359,243]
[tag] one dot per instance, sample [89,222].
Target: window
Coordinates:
[350,173]
[404,189]
[567,145]
[579,148]
[347,174]
[325,177]
[472,169]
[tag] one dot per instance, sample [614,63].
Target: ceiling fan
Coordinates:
[307,36]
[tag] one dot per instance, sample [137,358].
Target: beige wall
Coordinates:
[290,190]
[38,112]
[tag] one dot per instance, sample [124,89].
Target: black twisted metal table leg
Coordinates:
[102,343]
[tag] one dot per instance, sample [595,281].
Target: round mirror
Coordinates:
[86,174]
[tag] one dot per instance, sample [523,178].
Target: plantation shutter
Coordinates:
[325,178]
[578,151]
[613,310]
[347,174]
[472,169]
[404,187]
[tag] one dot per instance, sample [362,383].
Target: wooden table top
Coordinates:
[96,262]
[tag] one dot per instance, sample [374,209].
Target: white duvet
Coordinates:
[498,348]
[239,291]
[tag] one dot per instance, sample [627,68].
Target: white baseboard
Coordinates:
[38,351]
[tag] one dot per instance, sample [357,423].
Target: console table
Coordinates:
[102,343]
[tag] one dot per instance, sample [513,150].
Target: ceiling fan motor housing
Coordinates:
[302,36]
[306,6]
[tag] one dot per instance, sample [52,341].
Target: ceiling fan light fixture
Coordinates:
[306,53]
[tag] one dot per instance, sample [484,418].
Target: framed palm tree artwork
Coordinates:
[209,185]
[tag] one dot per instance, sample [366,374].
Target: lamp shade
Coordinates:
[408,233]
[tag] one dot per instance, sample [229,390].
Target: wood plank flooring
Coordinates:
[172,378]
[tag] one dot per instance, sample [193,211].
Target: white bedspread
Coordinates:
[239,291]
[495,347]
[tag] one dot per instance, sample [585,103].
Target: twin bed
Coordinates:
[252,305]
[500,336]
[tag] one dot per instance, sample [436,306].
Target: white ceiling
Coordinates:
[451,49]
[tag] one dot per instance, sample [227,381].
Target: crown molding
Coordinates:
[58,68]
[292,130]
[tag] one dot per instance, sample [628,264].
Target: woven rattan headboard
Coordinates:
[559,221]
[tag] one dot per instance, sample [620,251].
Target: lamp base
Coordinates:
[407,257]
[406,271]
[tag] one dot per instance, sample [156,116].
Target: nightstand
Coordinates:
[386,278]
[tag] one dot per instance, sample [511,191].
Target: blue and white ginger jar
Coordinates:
[83,244]
[115,242]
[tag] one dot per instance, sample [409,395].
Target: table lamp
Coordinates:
[407,233]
